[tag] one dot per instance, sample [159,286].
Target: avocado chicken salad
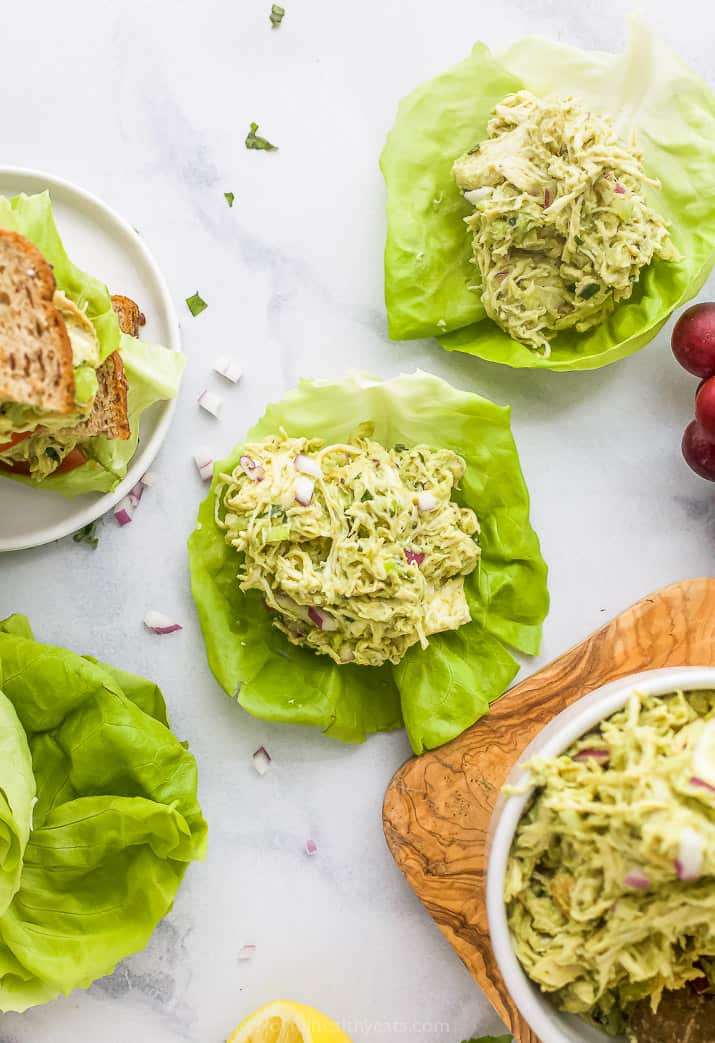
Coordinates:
[358,550]
[561,228]
[610,885]
[364,560]
[582,242]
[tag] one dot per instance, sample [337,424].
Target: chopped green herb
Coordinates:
[491,1039]
[400,447]
[229,197]
[254,141]
[276,534]
[52,453]
[473,149]
[277,13]
[196,304]
[367,495]
[589,291]
[88,535]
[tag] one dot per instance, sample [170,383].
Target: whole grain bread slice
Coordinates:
[35,352]
[109,417]
[131,319]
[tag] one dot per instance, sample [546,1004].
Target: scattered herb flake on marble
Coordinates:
[229,197]
[87,534]
[277,13]
[247,952]
[254,141]
[196,304]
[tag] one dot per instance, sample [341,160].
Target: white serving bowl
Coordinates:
[549,1024]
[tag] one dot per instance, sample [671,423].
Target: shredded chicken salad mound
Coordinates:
[561,229]
[610,885]
[358,550]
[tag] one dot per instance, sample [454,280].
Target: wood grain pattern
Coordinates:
[437,808]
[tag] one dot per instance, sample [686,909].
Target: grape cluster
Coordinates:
[693,344]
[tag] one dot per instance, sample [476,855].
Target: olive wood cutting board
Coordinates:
[438,806]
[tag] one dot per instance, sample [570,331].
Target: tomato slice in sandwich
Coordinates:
[71,462]
[14,440]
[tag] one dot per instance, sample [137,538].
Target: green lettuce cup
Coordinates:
[99,817]
[428,273]
[434,693]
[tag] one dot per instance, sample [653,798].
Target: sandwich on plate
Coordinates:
[73,377]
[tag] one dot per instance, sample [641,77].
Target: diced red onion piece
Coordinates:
[620,189]
[261,760]
[593,755]
[228,368]
[307,465]
[160,623]
[321,619]
[136,494]
[690,855]
[426,502]
[415,556]
[311,848]
[636,878]
[304,490]
[699,985]
[247,952]
[249,467]
[211,402]
[123,511]
[701,784]
[204,463]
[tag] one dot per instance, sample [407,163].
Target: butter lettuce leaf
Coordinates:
[428,273]
[436,693]
[115,826]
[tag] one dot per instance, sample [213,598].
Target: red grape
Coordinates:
[693,340]
[705,408]
[699,451]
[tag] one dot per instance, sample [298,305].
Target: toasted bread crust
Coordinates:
[109,417]
[36,366]
[127,311]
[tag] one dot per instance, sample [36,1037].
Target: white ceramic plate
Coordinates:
[102,243]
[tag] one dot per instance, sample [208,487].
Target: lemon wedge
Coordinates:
[285,1022]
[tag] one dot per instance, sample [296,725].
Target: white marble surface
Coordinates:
[147,105]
